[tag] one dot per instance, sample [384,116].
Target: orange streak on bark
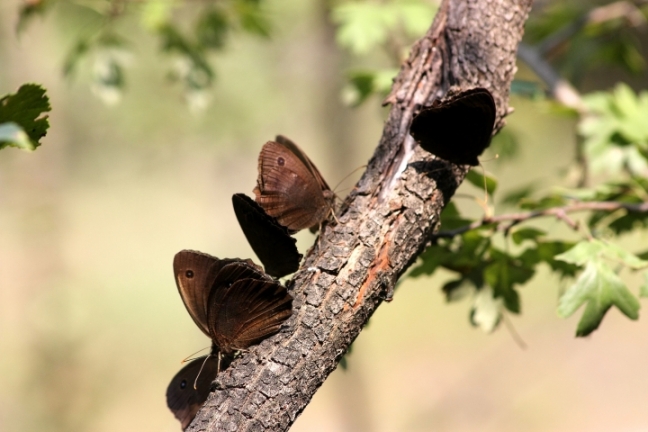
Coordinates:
[380,265]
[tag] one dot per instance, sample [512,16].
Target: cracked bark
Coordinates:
[383,225]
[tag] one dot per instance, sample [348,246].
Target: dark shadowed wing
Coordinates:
[247,312]
[458,128]
[182,399]
[270,241]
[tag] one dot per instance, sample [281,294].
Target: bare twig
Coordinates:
[559,213]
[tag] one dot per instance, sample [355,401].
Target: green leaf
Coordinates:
[505,145]
[600,288]
[515,196]
[457,289]
[29,10]
[212,29]
[156,13]
[13,135]
[582,253]
[416,16]
[482,181]
[25,109]
[614,252]
[252,18]
[643,289]
[594,249]
[451,219]
[543,203]
[522,234]
[431,259]
[486,311]
[363,26]
[503,273]
[547,252]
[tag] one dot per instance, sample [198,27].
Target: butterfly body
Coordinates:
[457,128]
[290,188]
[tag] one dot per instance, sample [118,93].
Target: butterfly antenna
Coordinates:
[189,357]
[347,176]
[201,368]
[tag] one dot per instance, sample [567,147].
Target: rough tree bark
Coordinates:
[383,226]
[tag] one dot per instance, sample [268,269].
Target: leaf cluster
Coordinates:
[367,27]
[615,134]
[490,274]
[578,39]
[189,32]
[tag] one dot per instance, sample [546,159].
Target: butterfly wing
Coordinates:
[459,128]
[288,190]
[195,273]
[291,146]
[270,241]
[182,399]
[247,312]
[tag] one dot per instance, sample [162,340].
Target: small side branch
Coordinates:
[507,221]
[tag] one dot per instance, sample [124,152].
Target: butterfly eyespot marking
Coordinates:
[183,384]
[281,161]
[189,274]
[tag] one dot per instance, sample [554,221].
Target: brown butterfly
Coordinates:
[270,241]
[457,128]
[231,300]
[189,388]
[290,188]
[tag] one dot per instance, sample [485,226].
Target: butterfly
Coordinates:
[457,128]
[290,188]
[270,241]
[189,388]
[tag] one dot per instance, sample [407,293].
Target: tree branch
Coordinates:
[558,212]
[383,225]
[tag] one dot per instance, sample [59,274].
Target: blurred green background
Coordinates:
[91,325]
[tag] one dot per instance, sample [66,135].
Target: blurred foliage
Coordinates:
[188,32]
[615,130]
[367,27]
[579,37]
[22,123]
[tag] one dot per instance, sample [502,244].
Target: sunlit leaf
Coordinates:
[156,13]
[416,16]
[13,135]
[600,288]
[363,26]
[486,311]
[643,289]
